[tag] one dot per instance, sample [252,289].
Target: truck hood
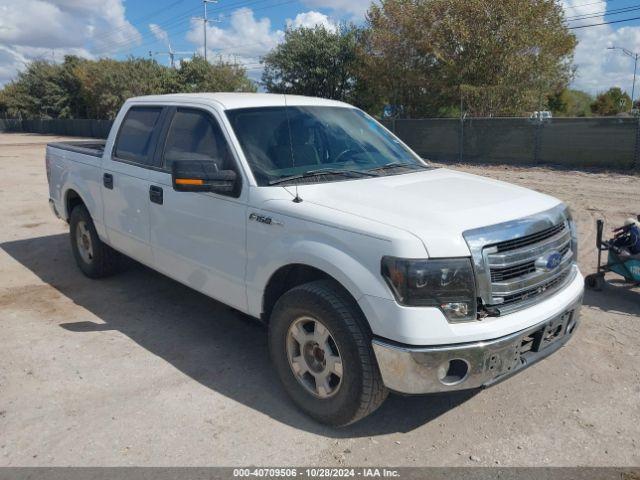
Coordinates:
[436,205]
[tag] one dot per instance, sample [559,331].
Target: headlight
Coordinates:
[448,284]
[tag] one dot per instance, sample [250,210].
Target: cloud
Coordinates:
[245,40]
[32,29]
[355,8]
[10,62]
[311,19]
[159,33]
[597,67]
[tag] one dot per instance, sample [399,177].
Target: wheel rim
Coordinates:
[83,241]
[314,357]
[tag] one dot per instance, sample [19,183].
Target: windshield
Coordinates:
[317,144]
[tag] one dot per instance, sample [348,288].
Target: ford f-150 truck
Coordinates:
[373,270]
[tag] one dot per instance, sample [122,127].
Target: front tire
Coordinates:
[94,258]
[321,348]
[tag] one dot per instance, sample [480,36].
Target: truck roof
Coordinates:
[232,100]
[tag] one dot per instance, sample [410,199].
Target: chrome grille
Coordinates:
[499,274]
[534,292]
[530,239]
[510,259]
[507,273]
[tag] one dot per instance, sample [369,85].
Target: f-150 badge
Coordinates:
[264,219]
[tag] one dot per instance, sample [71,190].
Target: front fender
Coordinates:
[357,271]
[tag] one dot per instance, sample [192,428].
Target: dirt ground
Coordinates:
[139,370]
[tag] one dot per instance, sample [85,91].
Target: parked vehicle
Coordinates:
[541,115]
[373,270]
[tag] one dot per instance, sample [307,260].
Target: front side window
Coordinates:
[315,144]
[195,135]
[134,142]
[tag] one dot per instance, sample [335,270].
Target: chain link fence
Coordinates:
[58,126]
[609,142]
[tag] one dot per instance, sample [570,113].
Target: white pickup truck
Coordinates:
[373,270]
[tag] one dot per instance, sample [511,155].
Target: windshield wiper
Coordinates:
[413,166]
[323,171]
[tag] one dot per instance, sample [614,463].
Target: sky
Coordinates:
[244,30]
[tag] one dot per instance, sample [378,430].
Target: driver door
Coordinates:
[198,238]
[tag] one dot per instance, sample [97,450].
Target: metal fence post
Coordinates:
[636,151]
[461,140]
[537,140]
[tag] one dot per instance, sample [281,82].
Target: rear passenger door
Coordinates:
[125,182]
[199,238]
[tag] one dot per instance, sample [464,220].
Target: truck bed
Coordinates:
[94,148]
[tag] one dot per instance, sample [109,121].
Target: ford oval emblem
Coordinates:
[549,261]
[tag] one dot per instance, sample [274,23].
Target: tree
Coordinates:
[105,84]
[314,61]
[4,103]
[498,57]
[570,103]
[198,75]
[611,102]
[36,93]
[81,88]
[71,86]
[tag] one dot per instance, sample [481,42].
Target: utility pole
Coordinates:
[205,21]
[635,56]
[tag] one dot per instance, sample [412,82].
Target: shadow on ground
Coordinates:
[616,296]
[218,347]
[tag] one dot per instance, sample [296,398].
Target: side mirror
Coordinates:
[201,176]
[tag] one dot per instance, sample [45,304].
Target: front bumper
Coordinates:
[419,370]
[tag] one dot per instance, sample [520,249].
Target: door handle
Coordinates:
[155,194]
[107,180]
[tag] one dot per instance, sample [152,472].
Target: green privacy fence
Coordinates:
[610,142]
[58,126]
[577,142]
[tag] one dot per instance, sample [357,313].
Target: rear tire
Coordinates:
[336,379]
[94,258]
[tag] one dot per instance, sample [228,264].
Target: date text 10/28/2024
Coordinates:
[316,472]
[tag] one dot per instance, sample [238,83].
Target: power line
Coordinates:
[183,29]
[604,13]
[604,23]
[573,7]
[601,12]
[134,38]
[231,6]
[152,14]
[176,22]
[155,12]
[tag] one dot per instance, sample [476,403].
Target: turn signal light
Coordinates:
[189,181]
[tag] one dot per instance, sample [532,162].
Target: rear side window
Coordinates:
[195,135]
[134,142]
